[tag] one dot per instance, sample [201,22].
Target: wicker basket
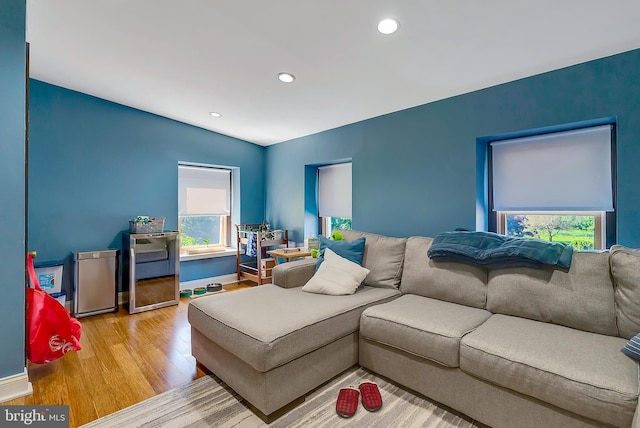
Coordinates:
[152,226]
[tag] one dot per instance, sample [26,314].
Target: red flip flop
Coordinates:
[347,403]
[371,398]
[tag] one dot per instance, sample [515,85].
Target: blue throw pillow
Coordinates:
[632,348]
[351,250]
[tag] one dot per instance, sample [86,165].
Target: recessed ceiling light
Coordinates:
[286,77]
[215,114]
[388,26]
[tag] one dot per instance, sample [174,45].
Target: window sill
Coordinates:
[185,257]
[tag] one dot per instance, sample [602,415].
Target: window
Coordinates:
[555,186]
[204,208]
[329,224]
[584,231]
[334,197]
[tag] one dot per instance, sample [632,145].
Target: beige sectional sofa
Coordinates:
[272,345]
[516,347]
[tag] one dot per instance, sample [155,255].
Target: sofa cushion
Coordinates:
[625,268]
[268,326]
[422,326]
[336,276]
[383,256]
[581,298]
[574,370]
[352,251]
[454,282]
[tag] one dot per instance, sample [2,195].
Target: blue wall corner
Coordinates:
[310,202]
[12,177]
[482,186]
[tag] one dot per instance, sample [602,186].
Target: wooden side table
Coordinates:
[288,255]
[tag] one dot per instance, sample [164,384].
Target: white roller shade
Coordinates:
[203,191]
[563,171]
[334,190]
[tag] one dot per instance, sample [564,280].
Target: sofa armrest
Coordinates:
[294,274]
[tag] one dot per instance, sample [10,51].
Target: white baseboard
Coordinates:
[15,386]
[222,279]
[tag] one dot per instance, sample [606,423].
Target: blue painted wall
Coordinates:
[286,175]
[12,185]
[414,171]
[94,164]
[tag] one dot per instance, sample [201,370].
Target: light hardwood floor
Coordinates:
[124,359]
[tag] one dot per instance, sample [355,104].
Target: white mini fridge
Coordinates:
[95,282]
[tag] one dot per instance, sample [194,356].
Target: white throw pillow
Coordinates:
[336,276]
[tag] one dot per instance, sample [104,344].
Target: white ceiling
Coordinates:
[184,58]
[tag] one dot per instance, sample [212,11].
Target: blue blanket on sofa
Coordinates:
[495,251]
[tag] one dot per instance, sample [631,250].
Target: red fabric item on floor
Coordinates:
[371,398]
[51,330]
[347,403]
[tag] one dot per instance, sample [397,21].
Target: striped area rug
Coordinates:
[207,402]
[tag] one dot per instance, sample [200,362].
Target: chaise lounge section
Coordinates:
[272,345]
